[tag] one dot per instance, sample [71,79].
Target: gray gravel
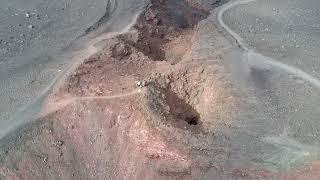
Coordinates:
[278,127]
[289,31]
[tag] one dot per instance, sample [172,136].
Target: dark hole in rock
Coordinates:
[192,120]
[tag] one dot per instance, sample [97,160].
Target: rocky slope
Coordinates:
[99,125]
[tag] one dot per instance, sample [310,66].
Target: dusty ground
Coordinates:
[98,125]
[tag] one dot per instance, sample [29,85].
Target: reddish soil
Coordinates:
[98,125]
[162,23]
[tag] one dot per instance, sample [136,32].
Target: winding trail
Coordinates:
[287,151]
[253,56]
[52,107]
[77,57]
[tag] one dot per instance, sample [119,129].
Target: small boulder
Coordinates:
[120,50]
[150,14]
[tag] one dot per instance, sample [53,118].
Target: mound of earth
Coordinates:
[99,125]
[167,22]
[190,97]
